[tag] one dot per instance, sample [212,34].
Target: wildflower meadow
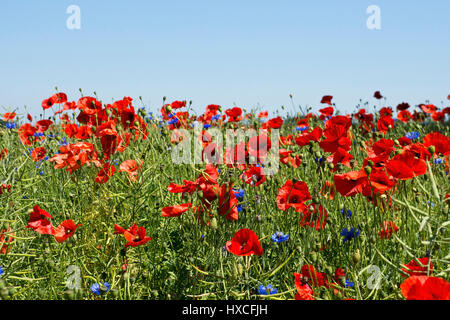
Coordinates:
[124,200]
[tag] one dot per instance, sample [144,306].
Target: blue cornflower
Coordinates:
[267,290]
[11,125]
[1,271]
[349,284]
[173,121]
[240,208]
[303,128]
[349,234]
[216,117]
[97,289]
[279,237]
[413,135]
[63,142]
[51,135]
[239,193]
[348,213]
[38,134]
[206,126]
[319,160]
[438,161]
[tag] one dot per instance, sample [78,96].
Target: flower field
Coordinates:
[97,203]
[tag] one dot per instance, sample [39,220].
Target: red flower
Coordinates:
[385,123]
[415,269]
[326,99]
[234,114]
[263,114]
[254,176]
[38,154]
[9,116]
[65,230]
[387,229]
[131,167]
[425,288]
[313,218]
[3,153]
[304,138]
[403,106]
[47,103]
[6,237]
[304,291]
[175,211]
[38,221]
[275,123]
[258,146]
[136,236]
[428,108]
[244,243]
[405,166]
[59,98]
[404,116]
[293,195]
[178,104]
[105,173]
[439,141]
[378,95]
[350,183]
[326,113]
[311,275]
[228,202]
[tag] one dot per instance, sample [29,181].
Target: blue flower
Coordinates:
[38,134]
[413,135]
[303,128]
[97,289]
[173,121]
[239,193]
[206,126]
[349,234]
[279,237]
[63,142]
[1,271]
[319,160]
[10,125]
[267,290]
[349,284]
[240,208]
[438,161]
[348,213]
[216,117]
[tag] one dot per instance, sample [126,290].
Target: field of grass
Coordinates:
[355,211]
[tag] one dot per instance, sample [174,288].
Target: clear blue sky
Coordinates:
[224,52]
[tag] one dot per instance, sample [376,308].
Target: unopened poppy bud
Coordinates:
[136,123]
[311,143]
[341,206]
[314,256]
[318,154]
[291,95]
[356,258]
[168,108]
[370,163]
[432,149]
[240,269]
[4,293]
[397,142]
[214,223]
[2,284]
[367,170]
[315,200]
[330,165]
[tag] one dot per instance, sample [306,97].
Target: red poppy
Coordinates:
[293,195]
[438,116]
[6,237]
[105,173]
[47,103]
[403,106]
[59,98]
[178,104]
[65,230]
[413,268]
[136,236]
[439,141]
[38,221]
[350,183]
[313,217]
[378,183]
[304,291]
[386,111]
[378,95]
[326,113]
[234,114]
[311,275]
[385,123]
[275,123]
[38,154]
[258,147]
[9,116]
[26,134]
[175,211]
[304,138]
[3,153]
[404,116]
[131,167]
[254,176]
[425,288]
[405,166]
[387,229]
[263,114]
[244,243]
[326,99]
[29,117]
[428,108]
[228,202]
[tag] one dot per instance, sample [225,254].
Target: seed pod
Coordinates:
[356,258]
[214,223]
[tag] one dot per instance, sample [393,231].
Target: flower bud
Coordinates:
[432,149]
[356,258]
[367,170]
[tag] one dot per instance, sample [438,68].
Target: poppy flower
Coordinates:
[377,95]
[304,138]
[326,113]
[136,236]
[38,154]
[350,183]
[178,104]
[385,123]
[293,195]
[228,202]
[6,237]
[263,114]
[425,288]
[311,275]
[403,106]
[404,116]
[428,108]
[65,230]
[413,268]
[9,116]
[254,176]
[387,229]
[258,147]
[234,114]
[405,166]
[175,211]
[131,167]
[47,103]
[3,153]
[105,173]
[313,216]
[244,243]
[439,141]
[378,183]
[275,123]
[326,99]
[58,98]
[38,221]
[438,116]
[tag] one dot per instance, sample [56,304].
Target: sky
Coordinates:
[247,53]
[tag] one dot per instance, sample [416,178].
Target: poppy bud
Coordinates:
[214,223]
[291,95]
[397,142]
[318,154]
[330,165]
[314,256]
[356,258]
[370,163]
[4,293]
[168,108]
[432,149]
[367,169]
[341,206]
[315,200]
[240,269]
[2,284]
